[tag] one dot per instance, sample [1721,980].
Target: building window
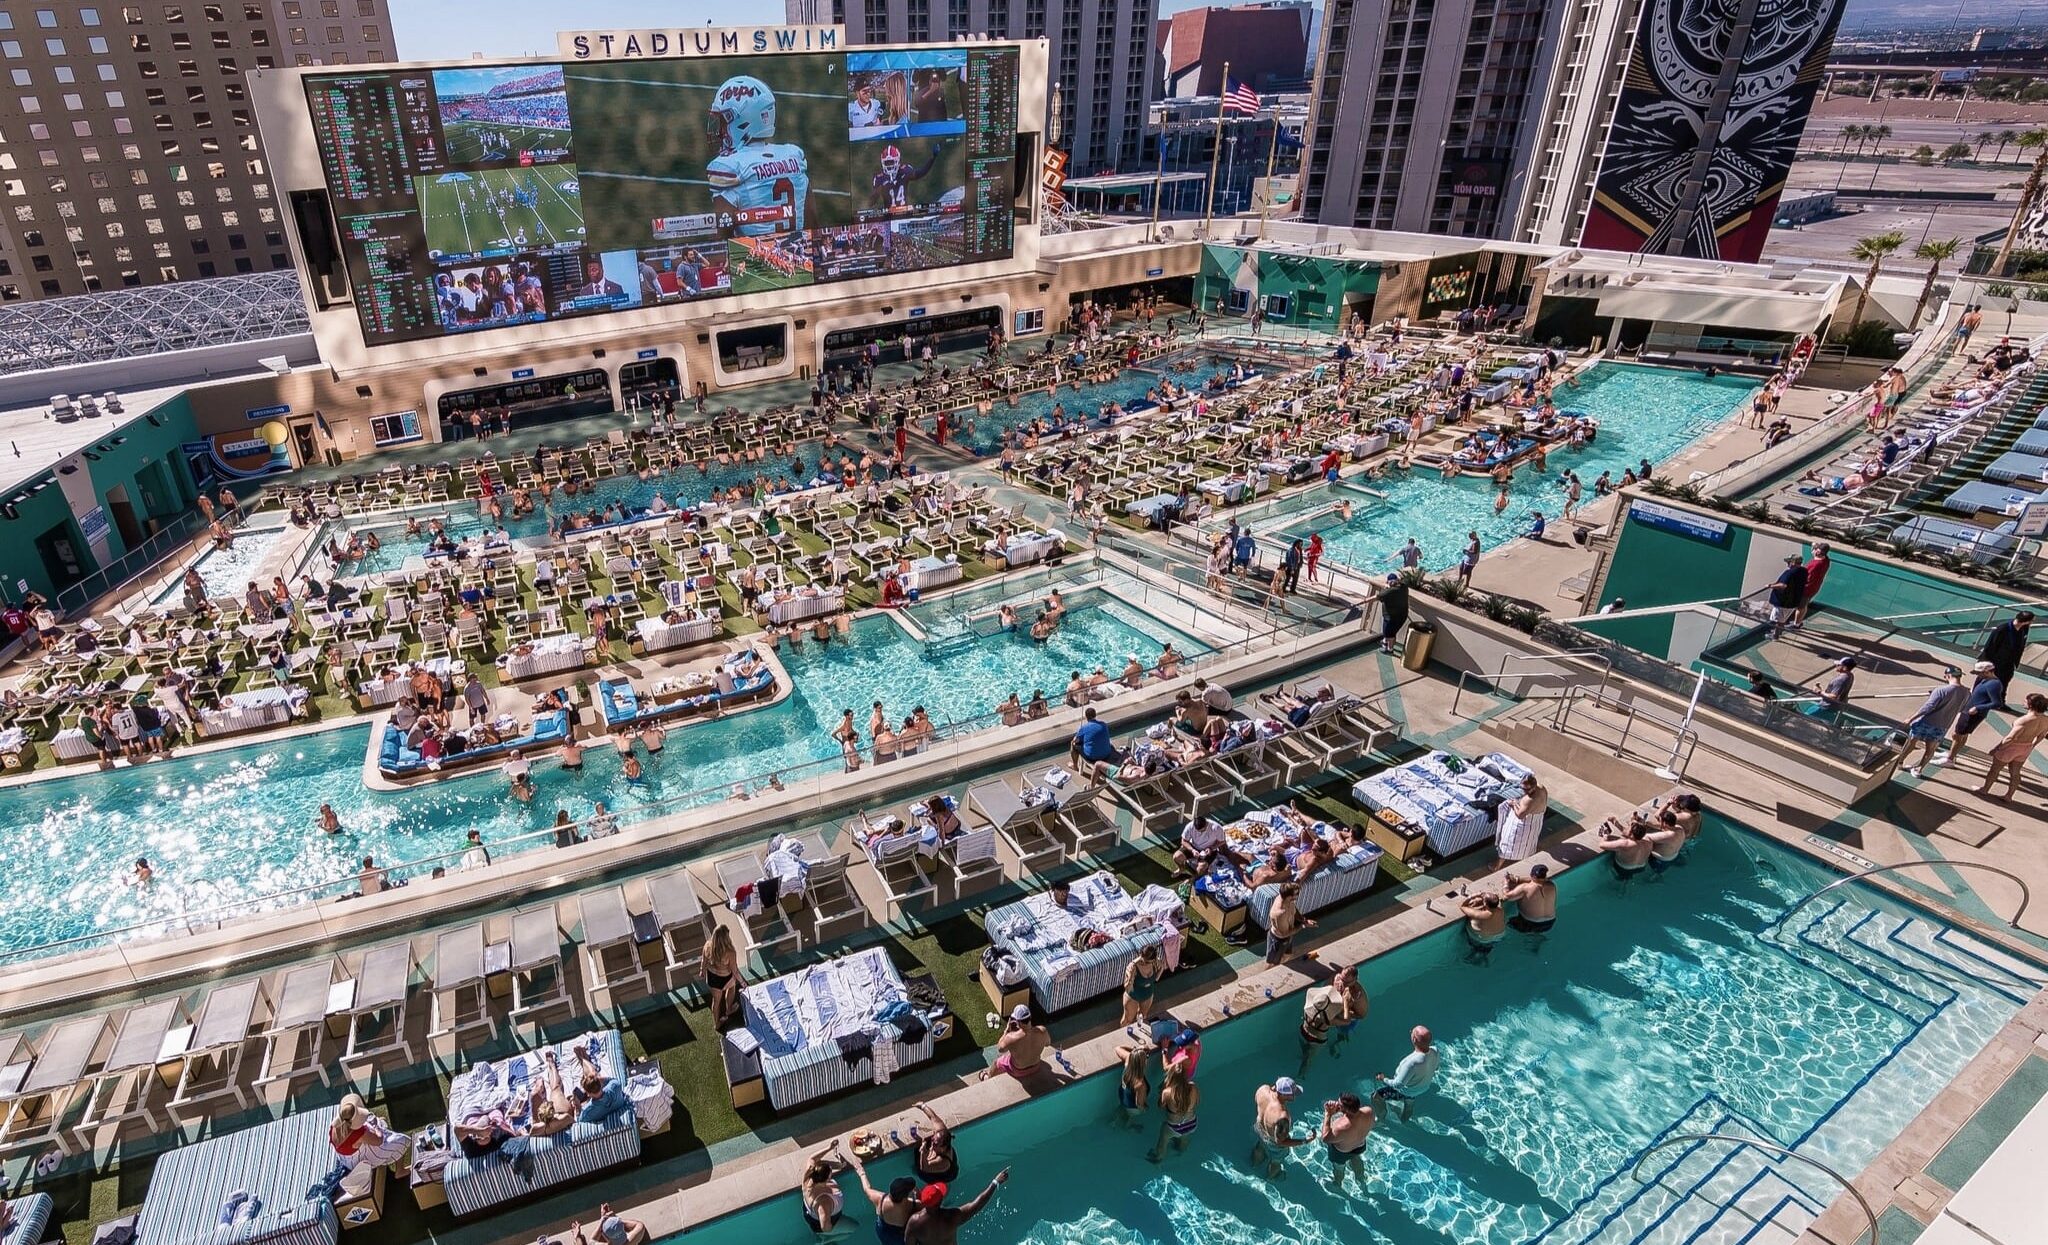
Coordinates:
[174,13]
[51,289]
[88,17]
[180,41]
[65,75]
[98,45]
[298,35]
[10,49]
[73,102]
[30,103]
[330,8]
[206,268]
[46,18]
[21,77]
[81,129]
[334,34]
[116,99]
[214,13]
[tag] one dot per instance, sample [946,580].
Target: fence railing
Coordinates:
[137,563]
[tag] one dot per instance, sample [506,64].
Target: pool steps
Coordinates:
[1717,1194]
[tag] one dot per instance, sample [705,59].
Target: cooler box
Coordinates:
[1399,838]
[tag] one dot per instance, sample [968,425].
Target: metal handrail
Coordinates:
[1780,1151]
[2026,894]
[1606,669]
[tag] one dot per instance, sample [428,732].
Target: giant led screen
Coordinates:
[477,197]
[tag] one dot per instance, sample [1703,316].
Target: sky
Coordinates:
[453,29]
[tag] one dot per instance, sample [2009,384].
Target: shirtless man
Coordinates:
[1486,923]
[1347,1123]
[1020,1051]
[1273,1126]
[936,1223]
[1628,848]
[1283,921]
[1535,900]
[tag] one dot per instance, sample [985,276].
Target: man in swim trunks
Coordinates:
[1020,1052]
[1414,1075]
[1628,848]
[1273,1125]
[1535,900]
[1347,1123]
[1486,923]
[1329,1013]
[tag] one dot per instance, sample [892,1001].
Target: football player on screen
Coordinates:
[759,188]
[891,187]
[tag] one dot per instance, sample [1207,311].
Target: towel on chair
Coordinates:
[885,1061]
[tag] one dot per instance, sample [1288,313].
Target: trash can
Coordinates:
[1415,650]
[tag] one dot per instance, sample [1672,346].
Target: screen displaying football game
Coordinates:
[485,196]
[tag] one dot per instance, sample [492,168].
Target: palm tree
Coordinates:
[1878,135]
[1934,253]
[2006,138]
[1873,248]
[2027,142]
[1842,137]
[1861,133]
[1984,140]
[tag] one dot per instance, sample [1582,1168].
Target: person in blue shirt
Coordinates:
[1093,745]
[1986,694]
[1243,551]
[1536,522]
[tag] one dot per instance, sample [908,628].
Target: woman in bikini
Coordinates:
[1178,1098]
[1141,984]
[721,976]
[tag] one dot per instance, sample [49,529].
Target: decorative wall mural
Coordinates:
[1667,114]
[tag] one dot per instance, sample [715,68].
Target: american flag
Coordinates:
[1237,97]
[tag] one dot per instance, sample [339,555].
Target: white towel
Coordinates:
[884,1059]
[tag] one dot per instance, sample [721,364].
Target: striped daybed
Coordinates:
[29,1219]
[475,1184]
[276,1164]
[1040,938]
[818,1030]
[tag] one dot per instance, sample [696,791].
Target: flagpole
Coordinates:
[1158,178]
[1272,153]
[1216,152]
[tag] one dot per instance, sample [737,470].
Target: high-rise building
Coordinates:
[1422,111]
[1101,54]
[1639,125]
[1265,45]
[1672,130]
[128,152]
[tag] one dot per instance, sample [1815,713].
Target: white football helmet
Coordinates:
[742,112]
[892,160]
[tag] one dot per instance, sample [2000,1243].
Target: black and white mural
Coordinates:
[1689,88]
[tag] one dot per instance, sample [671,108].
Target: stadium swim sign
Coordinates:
[583,45]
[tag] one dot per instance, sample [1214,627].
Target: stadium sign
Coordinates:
[608,45]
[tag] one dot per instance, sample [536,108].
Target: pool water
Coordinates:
[463,519]
[986,435]
[1644,412]
[1658,1006]
[227,572]
[236,825]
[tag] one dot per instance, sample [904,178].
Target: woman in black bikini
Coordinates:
[721,976]
[935,1160]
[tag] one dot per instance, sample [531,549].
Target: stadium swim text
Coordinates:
[710,41]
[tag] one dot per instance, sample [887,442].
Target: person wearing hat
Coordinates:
[935,1223]
[894,1208]
[1020,1051]
[1414,1075]
[361,1139]
[612,1229]
[1273,1124]
[1986,694]
[1834,697]
[1788,594]
[1816,574]
[1935,716]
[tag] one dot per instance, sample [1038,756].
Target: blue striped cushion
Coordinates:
[276,1162]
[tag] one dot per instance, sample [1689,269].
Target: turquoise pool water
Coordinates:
[240,824]
[1644,412]
[1190,369]
[463,520]
[226,572]
[1658,1006]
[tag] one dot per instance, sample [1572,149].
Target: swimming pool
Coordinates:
[985,437]
[1656,1008]
[234,826]
[227,572]
[463,519]
[1644,412]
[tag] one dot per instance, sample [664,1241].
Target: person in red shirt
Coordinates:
[1816,571]
[1331,461]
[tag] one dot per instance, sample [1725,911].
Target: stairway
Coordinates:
[1717,1193]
